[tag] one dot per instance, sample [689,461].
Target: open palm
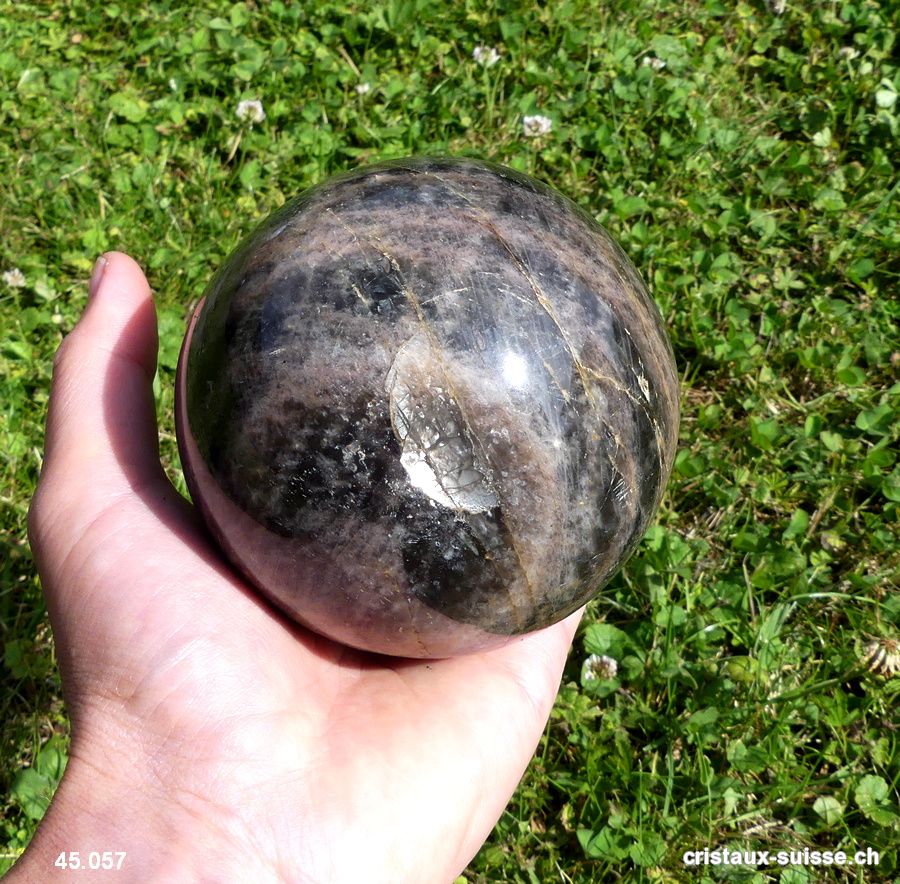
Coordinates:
[223,740]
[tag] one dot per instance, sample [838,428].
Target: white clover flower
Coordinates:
[536,125]
[173,84]
[486,56]
[362,88]
[599,666]
[14,278]
[848,52]
[882,656]
[651,61]
[250,110]
[777,7]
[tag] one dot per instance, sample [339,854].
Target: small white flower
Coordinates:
[651,61]
[777,7]
[362,88]
[848,52]
[487,56]
[536,125]
[251,110]
[14,278]
[173,84]
[882,656]
[599,666]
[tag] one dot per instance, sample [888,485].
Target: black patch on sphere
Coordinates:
[317,466]
[381,287]
[459,567]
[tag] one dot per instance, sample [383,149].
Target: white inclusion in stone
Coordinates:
[441,469]
[515,370]
[422,476]
[645,387]
[436,453]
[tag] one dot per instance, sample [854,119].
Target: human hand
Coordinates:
[211,738]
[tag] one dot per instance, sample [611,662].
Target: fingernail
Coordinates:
[97,275]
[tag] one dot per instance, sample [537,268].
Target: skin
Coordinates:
[211,738]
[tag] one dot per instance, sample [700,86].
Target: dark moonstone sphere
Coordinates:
[427,406]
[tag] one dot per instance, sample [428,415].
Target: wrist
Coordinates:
[128,819]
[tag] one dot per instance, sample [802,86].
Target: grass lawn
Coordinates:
[744,155]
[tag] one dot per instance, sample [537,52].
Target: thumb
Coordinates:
[101,441]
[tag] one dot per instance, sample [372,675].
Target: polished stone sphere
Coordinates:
[427,406]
